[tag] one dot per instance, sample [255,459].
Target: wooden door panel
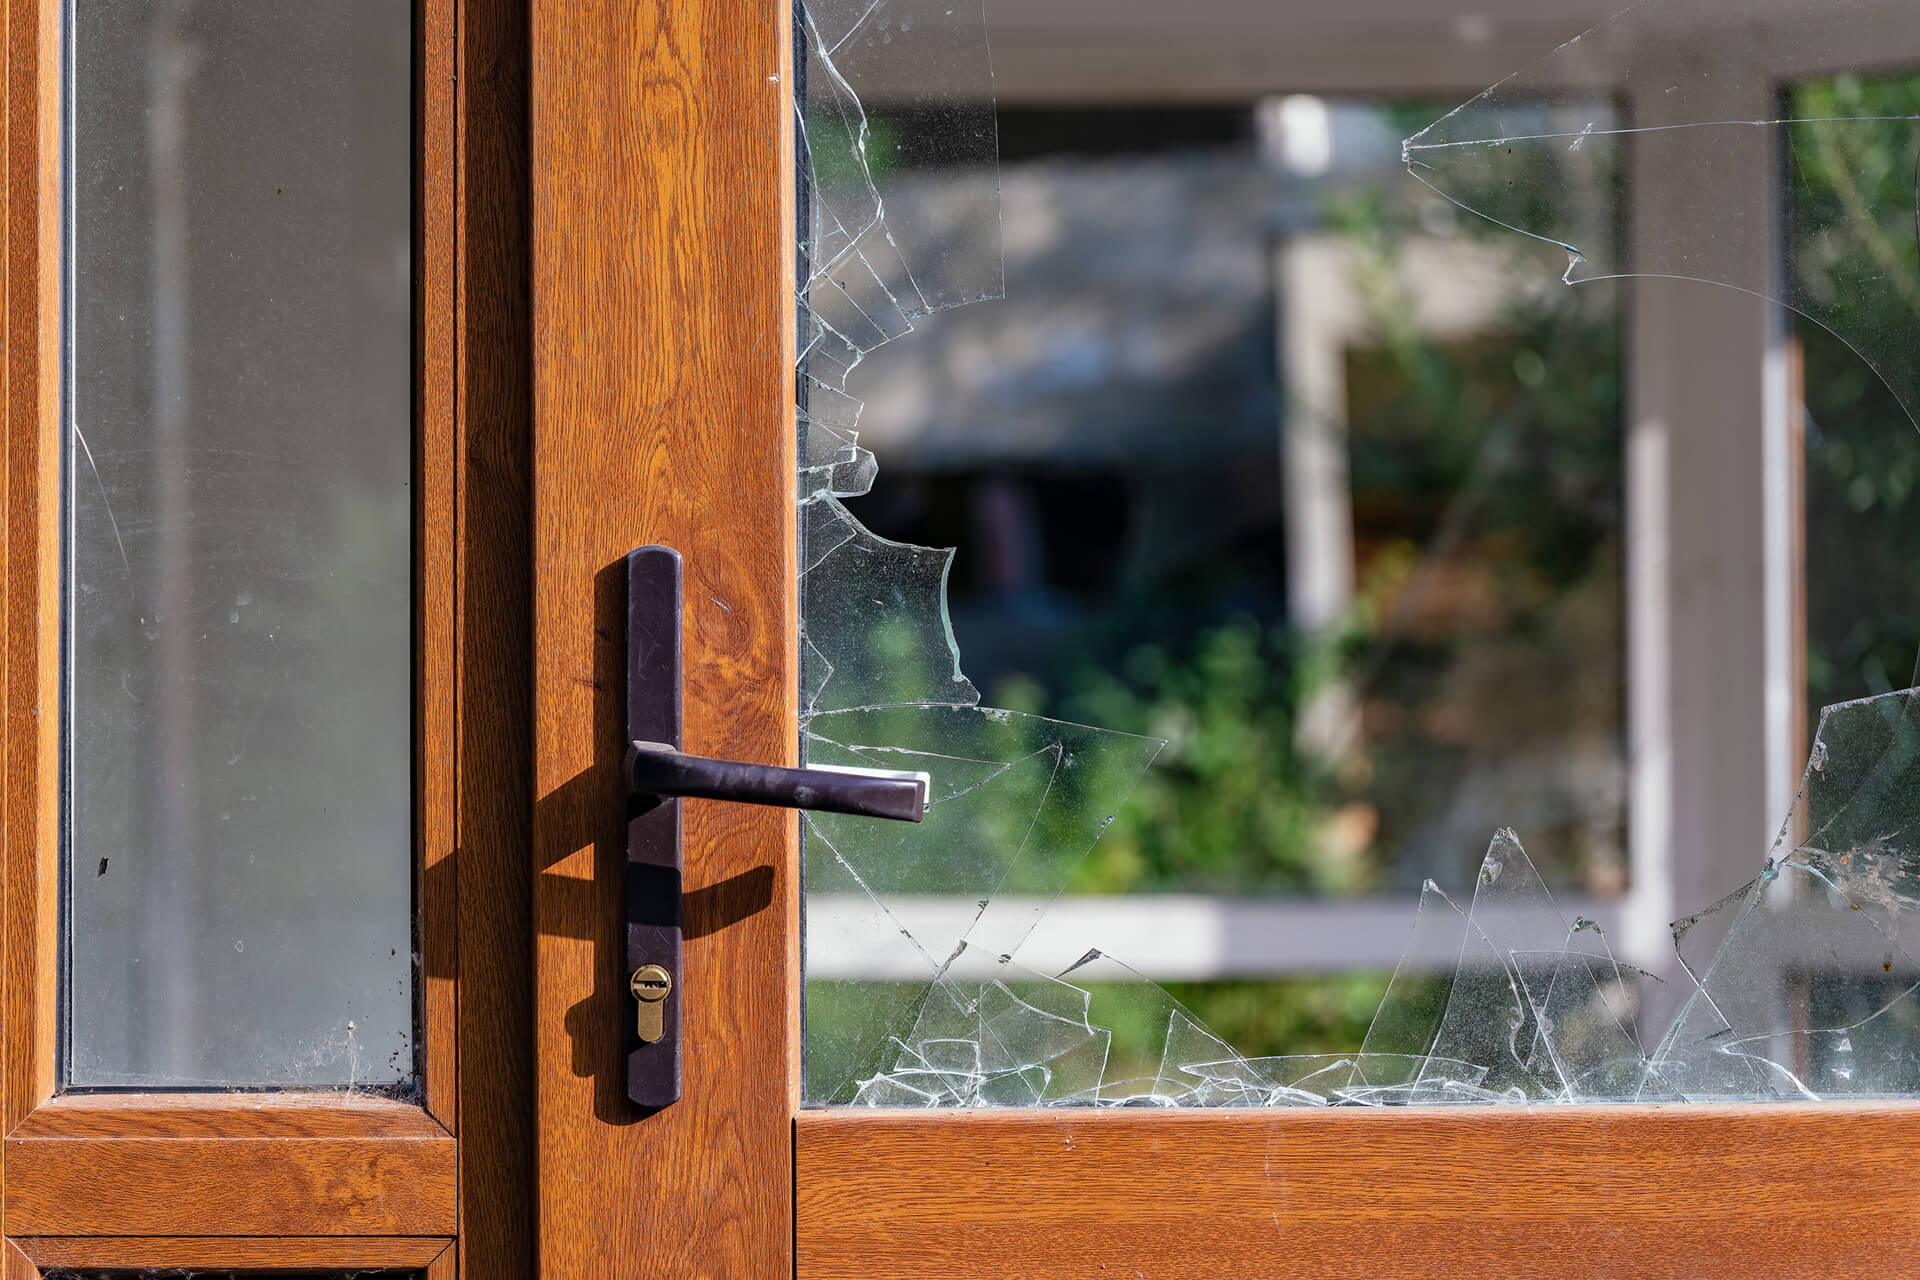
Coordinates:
[663,294]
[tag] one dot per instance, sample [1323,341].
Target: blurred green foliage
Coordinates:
[1265,1017]
[1852,186]
[1231,803]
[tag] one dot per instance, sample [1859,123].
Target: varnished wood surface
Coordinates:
[296,1167]
[494,392]
[227,1115]
[219,1253]
[29,916]
[229,1164]
[446,1266]
[663,301]
[195,1182]
[436,550]
[1646,1193]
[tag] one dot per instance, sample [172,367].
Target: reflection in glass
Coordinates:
[239,599]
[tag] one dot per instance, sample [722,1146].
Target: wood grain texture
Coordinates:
[663,413]
[206,1179]
[1697,1191]
[494,386]
[219,1253]
[229,1164]
[30,878]
[227,1115]
[436,543]
[444,1266]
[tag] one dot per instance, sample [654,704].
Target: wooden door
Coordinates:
[603,293]
[435,1178]
[663,414]
[663,293]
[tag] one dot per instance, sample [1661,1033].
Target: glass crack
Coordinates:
[1800,984]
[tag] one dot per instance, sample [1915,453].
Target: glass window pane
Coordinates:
[1269,453]
[1438,518]
[239,581]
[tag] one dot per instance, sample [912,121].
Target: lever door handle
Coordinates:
[657,770]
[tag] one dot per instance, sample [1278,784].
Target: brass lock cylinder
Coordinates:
[651,985]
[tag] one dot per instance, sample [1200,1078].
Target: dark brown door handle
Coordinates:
[658,774]
[656,769]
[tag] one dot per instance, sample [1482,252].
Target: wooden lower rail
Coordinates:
[1783,1190]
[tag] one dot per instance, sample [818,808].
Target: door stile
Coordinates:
[436,534]
[33,512]
[663,403]
[487,848]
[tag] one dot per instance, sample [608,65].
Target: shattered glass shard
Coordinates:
[1512,927]
[875,618]
[1859,808]
[1809,991]
[1408,1020]
[834,466]
[1016,803]
[928,61]
[1750,1031]
[1802,991]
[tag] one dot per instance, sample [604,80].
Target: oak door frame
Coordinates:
[293,1179]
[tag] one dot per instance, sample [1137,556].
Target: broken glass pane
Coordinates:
[1799,984]
[1805,991]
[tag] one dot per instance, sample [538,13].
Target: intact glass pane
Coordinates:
[239,573]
